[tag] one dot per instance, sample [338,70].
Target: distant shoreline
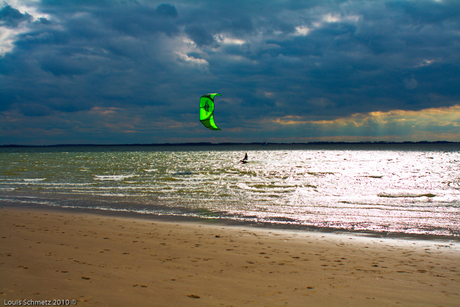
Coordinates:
[236,143]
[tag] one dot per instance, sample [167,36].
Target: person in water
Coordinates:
[245,159]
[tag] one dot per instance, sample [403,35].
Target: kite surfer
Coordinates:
[245,159]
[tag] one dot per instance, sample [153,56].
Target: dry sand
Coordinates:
[107,261]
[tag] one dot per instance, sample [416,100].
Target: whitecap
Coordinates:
[34,179]
[112,177]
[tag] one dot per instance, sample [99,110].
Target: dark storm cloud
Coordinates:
[427,12]
[11,17]
[320,60]
[199,35]
[167,10]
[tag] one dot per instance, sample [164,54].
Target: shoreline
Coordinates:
[233,223]
[114,261]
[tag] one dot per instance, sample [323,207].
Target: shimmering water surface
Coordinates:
[384,188]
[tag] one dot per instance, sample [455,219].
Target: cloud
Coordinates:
[167,10]
[16,20]
[11,17]
[438,123]
[200,35]
[410,83]
[287,60]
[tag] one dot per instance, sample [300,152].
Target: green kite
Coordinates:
[207,111]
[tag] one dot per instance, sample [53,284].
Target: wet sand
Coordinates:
[110,261]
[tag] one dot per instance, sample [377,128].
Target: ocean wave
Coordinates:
[430,195]
[34,179]
[112,177]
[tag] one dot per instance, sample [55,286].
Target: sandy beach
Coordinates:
[99,260]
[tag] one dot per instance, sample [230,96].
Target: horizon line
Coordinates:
[242,143]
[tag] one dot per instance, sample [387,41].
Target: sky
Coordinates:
[132,72]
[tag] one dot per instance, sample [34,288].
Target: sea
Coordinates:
[384,189]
